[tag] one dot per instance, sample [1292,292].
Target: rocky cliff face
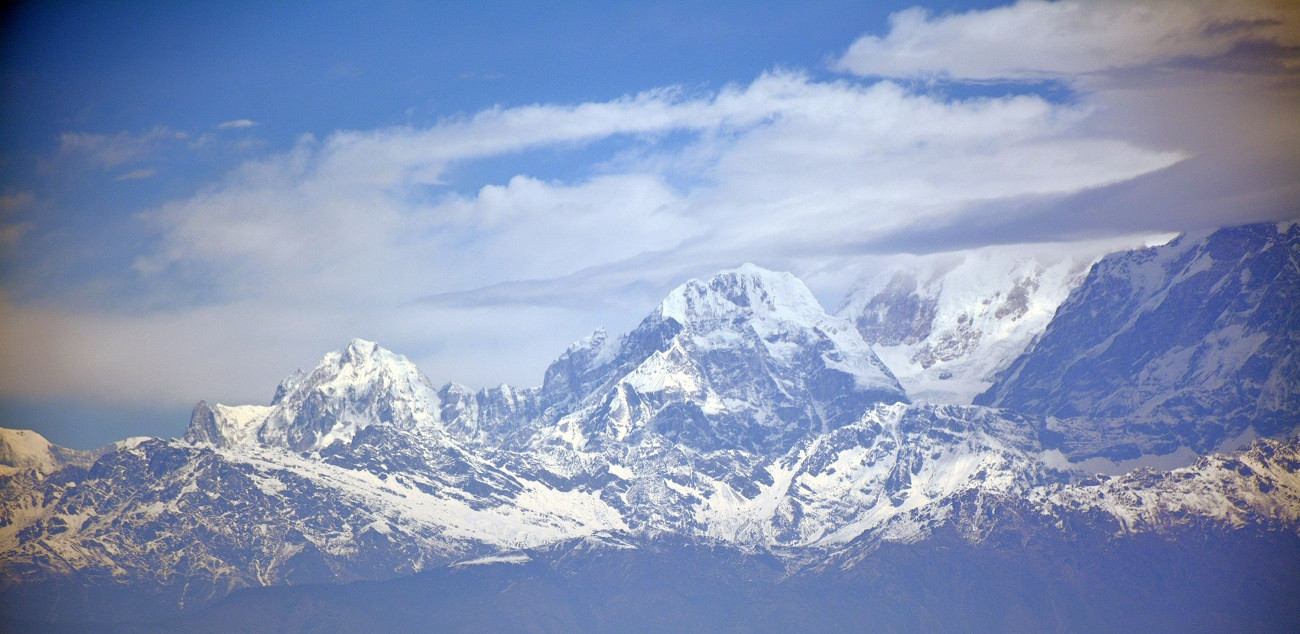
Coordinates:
[745,360]
[349,390]
[947,324]
[1194,343]
[188,523]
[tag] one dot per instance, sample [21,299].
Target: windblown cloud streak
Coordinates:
[120,149]
[1067,40]
[784,160]
[1219,81]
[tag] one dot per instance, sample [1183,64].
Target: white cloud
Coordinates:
[1215,81]
[299,251]
[121,148]
[1033,39]
[790,161]
[236,124]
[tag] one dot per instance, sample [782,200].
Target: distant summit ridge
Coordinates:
[748,291]
[1194,343]
[746,359]
[947,324]
[350,389]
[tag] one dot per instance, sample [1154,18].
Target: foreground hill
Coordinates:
[1082,580]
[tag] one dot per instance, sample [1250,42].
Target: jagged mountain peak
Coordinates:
[747,299]
[362,358]
[747,359]
[359,360]
[354,387]
[947,323]
[360,351]
[598,338]
[488,414]
[1191,343]
[748,291]
[24,449]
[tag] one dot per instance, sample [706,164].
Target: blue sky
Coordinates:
[197,198]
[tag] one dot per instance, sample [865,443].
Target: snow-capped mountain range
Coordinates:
[947,324]
[738,413]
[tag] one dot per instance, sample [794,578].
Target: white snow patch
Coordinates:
[509,558]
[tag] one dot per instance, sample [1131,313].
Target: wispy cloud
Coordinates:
[792,162]
[139,174]
[10,234]
[121,148]
[236,124]
[1216,80]
[1069,39]
[10,203]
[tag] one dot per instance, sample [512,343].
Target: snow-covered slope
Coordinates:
[1192,343]
[745,360]
[202,521]
[349,390]
[946,324]
[194,522]
[22,449]
[890,474]
[1257,485]
[490,414]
